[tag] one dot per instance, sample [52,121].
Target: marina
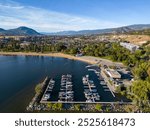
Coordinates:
[56,90]
[66,93]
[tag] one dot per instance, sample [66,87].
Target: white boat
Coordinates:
[97,72]
[69,85]
[63,84]
[93,90]
[92,86]
[84,79]
[86,87]
[46,96]
[89,100]
[91,69]
[87,76]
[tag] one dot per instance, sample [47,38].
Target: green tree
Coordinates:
[140,72]
[98,107]
[140,91]
[49,105]
[59,106]
[54,106]
[77,107]
[38,88]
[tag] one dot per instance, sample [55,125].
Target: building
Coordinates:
[24,44]
[111,77]
[113,73]
[129,46]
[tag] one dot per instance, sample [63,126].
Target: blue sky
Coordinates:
[62,15]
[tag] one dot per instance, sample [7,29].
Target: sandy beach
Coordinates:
[88,59]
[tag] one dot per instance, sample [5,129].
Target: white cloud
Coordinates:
[13,14]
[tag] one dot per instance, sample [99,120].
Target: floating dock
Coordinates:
[47,94]
[66,93]
[90,90]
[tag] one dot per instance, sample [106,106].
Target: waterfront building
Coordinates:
[113,73]
[129,46]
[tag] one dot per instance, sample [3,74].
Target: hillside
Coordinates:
[21,31]
[141,32]
[135,39]
[120,30]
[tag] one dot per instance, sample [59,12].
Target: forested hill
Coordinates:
[20,31]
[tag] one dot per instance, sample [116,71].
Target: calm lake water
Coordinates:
[20,74]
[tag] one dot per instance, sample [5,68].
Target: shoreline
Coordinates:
[87,59]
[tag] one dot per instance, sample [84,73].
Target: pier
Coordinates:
[36,99]
[88,66]
[90,90]
[47,94]
[66,93]
[100,74]
[105,79]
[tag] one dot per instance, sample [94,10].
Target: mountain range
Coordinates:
[21,31]
[119,30]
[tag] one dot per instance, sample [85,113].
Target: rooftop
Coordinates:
[113,73]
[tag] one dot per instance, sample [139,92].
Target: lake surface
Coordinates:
[20,74]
